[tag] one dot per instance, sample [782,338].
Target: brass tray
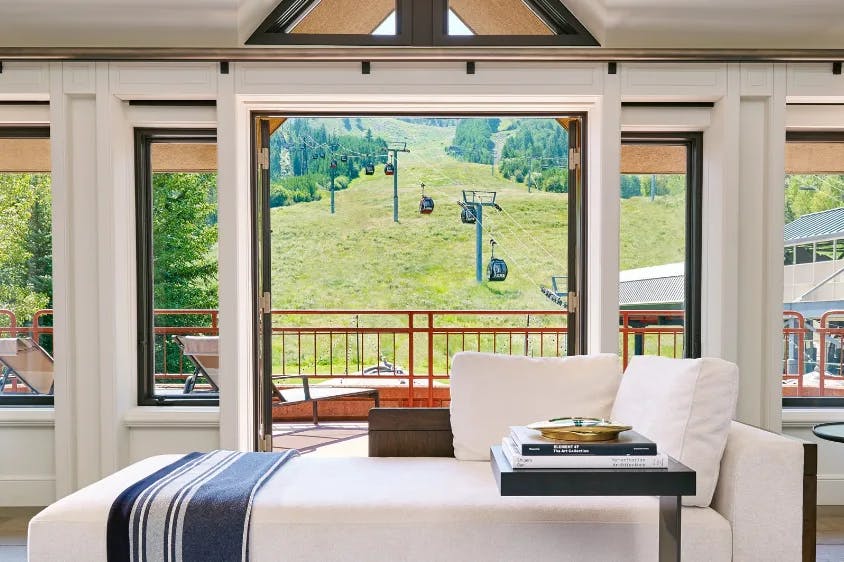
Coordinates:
[579,429]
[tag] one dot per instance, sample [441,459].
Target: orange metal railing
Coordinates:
[342,343]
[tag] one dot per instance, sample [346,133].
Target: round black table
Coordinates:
[831,431]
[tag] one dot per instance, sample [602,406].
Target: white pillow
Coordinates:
[685,406]
[489,393]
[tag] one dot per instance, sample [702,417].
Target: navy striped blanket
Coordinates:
[195,509]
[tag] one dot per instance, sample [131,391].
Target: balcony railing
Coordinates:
[415,347]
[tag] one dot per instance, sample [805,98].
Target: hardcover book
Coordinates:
[516,460]
[531,442]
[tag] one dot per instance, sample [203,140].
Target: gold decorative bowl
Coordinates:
[579,429]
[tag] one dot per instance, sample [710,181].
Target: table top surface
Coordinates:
[831,431]
[676,480]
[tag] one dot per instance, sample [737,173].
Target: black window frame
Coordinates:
[41,400]
[811,401]
[144,139]
[693,263]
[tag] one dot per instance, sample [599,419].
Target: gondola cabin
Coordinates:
[467,216]
[389,169]
[426,205]
[496,270]
[369,169]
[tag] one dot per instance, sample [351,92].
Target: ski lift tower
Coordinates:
[475,201]
[394,148]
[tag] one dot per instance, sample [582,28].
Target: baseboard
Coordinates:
[830,489]
[26,490]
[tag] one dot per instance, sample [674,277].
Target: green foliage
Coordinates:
[536,147]
[183,240]
[631,186]
[473,140]
[304,147]
[25,244]
[296,189]
[812,193]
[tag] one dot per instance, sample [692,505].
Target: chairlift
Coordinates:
[389,169]
[496,270]
[369,169]
[467,216]
[426,204]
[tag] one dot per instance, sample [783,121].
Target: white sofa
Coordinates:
[411,500]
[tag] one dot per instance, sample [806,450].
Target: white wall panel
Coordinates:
[813,83]
[79,77]
[418,78]
[164,81]
[25,81]
[757,79]
[673,82]
[27,461]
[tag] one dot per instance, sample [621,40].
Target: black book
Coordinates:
[530,442]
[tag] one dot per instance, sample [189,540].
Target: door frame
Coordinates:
[577,256]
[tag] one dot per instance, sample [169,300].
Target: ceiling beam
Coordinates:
[427,54]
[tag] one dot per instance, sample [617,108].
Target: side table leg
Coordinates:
[669,528]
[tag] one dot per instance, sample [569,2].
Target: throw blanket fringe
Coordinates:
[195,509]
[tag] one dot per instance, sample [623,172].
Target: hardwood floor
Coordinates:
[830,533]
[13,522]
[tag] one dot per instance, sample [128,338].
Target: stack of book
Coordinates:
[527,448]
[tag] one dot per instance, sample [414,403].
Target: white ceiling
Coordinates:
[805,24]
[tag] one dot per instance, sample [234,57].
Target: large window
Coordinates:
[26,267]
[813,297]
[176,182]
[660,249]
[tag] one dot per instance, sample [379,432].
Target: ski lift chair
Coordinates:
[496,270]
[426,205]
[28,362]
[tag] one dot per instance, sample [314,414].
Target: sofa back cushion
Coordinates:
[489,393]
[685,406]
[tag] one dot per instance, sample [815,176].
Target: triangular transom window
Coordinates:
[422,23]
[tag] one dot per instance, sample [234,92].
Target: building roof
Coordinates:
[814,226]
[661,284]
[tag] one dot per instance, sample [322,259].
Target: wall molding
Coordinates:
[27,417]
[27,490]
[172,417]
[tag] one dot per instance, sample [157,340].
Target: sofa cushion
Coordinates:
[686,406]
[489,393]
[411,509]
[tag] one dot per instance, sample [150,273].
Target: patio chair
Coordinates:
[313,394]
[28,362]
[203,352]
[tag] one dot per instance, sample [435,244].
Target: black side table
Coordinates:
[670,484]
[830,431]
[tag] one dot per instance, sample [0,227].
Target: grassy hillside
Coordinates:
[359,258]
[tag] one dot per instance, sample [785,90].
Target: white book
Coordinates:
[516,460]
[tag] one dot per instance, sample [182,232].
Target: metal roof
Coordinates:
[640,289]
[815,226]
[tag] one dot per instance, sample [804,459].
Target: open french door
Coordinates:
[263,298]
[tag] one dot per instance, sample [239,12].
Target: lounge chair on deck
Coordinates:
[27,361]
[313,394]
[203,352]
